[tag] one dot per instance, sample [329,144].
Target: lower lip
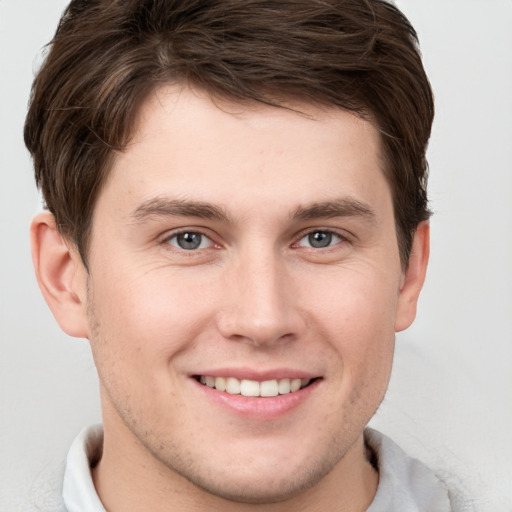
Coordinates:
[262,408]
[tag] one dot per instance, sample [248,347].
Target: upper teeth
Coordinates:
[247,387]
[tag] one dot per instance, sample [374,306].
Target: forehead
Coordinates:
[185,142]
[189,111]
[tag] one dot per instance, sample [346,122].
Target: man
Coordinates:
[237,221]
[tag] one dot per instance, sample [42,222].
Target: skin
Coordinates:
[254,299]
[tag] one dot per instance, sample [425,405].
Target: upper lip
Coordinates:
[257,375]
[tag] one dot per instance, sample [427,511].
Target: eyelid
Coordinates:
[343,235]
[165,239]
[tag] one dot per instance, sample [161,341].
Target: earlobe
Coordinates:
[60,274]
[414,278]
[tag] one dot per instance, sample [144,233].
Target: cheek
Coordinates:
[356,306]
[139,326]
[133,319]
[147,313]
[356,315]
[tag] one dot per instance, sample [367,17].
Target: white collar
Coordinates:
[78,490]
[405,484]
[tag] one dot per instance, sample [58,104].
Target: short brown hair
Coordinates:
[107,55]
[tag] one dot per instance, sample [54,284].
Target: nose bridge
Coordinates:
[260,308]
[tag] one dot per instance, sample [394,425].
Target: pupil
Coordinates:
[320,239]
[189,241]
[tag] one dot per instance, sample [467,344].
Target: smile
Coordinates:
[253,388]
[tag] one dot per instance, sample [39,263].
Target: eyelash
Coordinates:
[167,239]
[331,233]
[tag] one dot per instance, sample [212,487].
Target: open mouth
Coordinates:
[253,388]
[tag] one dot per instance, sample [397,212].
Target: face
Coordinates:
[252,248]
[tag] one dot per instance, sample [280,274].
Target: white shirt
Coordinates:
[405,484]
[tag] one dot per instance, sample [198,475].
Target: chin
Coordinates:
[266,482]
[258,491]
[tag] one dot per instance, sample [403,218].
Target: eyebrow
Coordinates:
[165,207]
[345,207]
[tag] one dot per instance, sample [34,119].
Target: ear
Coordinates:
[413,278]
[61,275]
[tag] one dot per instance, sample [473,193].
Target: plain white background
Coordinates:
[450,398]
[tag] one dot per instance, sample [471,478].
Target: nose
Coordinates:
[262,302]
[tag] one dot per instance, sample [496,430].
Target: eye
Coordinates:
[320,239]
[190,241]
